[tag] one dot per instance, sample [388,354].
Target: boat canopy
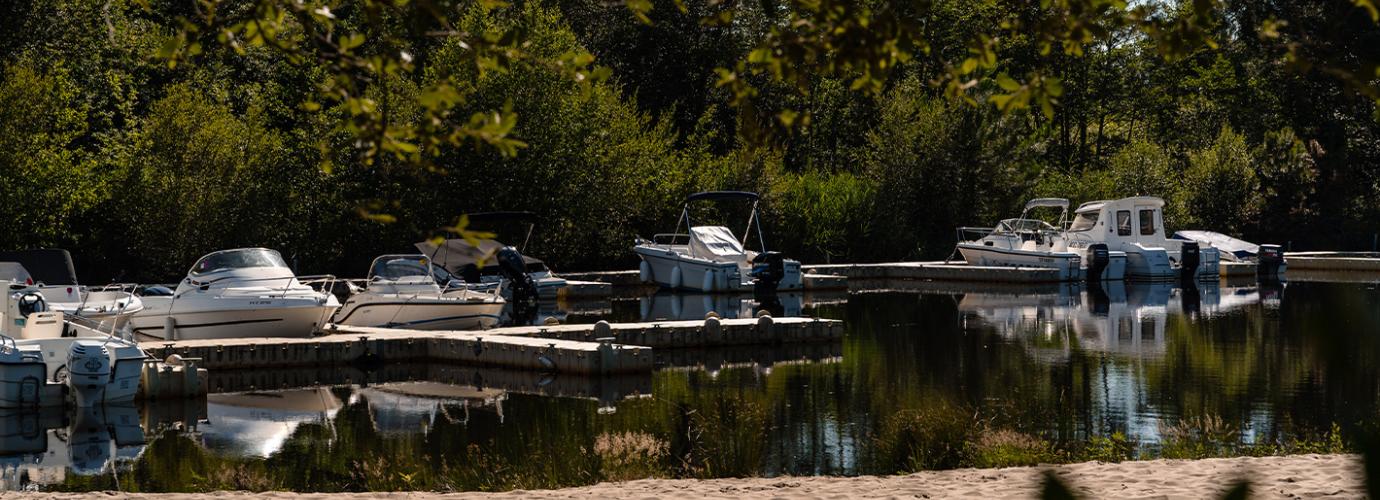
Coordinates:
[1139,201]
[50,266]
[454,254]
[1047,202]
[14,272]
[722,195]
[716,243]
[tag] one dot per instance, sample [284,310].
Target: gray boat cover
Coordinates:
[1239,249]
[50,266]
[716,243]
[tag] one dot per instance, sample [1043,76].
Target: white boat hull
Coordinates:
[1068,264]
[420,314]
[237,317]
[673,270]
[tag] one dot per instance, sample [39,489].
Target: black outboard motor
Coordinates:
[1099,257]
[1268,262]
[524,290]
[768,269]
[1189,257]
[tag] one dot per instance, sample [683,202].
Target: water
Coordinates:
[926,376]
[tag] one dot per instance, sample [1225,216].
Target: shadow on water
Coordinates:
[929,375]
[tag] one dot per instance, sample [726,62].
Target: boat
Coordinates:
[47,358]
[711,258]
[487,264]
[1135,226]
[245,292]
[1268,259]
[1034,243]
[401,292]
[52,272]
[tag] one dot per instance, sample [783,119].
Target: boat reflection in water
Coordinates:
[43,447]
[1118,317]
[256,424]
[411,407]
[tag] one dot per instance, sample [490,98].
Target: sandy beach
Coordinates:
[1299,476]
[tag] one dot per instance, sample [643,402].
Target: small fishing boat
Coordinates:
[246,292]
[1136,226]
[1034,243]
[711,258]
[1268,259]
[401,292]
[52,272]
[47,359]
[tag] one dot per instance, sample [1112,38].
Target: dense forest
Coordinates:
[139,163]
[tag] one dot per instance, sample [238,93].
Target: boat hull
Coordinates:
[1068,264]
[672,270]
[420,314]
[218,318]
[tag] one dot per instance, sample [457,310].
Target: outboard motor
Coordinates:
[88,372]
[1189,258]
[1099,257]
[524,290]
[768,269]
[1268,262]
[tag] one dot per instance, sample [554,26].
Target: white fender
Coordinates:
[707,283]
[676,277]
[644,272]
[169,328]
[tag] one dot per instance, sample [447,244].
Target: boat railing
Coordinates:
[963,233]
[657,238]
[325,281]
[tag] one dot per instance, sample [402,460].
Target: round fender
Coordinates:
[644,272]
[707,283]
[676,277]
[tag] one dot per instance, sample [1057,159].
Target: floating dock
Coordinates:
[810,281]
[1365,262]
[596,349]
[938,271]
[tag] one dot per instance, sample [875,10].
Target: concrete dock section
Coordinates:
[1365,262]
[693,334]
[623,279]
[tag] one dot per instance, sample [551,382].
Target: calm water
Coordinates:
[920,377]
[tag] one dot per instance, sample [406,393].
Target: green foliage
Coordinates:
[1221,189]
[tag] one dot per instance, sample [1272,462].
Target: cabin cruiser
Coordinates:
[1029,242]
[1268,259]
[1136,226]
[487,264]
[52,272]
[46,358]
[401,291]
[246,292]
[712,258]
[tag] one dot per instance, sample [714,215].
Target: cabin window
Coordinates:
[1083,221]
[1123,222]
[1147,222]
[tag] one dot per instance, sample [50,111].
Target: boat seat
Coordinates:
[1029,246]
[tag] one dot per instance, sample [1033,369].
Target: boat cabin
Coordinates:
[1138,219]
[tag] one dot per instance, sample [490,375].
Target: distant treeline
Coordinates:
[139,167]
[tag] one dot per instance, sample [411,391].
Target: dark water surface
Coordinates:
[943,376]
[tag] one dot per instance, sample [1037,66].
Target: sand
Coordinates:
[1298,476]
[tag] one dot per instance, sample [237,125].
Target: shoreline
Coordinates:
[1294,476]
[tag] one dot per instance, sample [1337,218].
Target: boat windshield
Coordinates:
[237,259]
[1084,221]
[400,266]
[1024,226]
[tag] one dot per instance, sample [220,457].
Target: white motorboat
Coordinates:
[712,258]
[488,264]
[52,272]
[1136,226]
[401,292]
[46,359]
[1029,242]
[247,292]
[1268,259]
